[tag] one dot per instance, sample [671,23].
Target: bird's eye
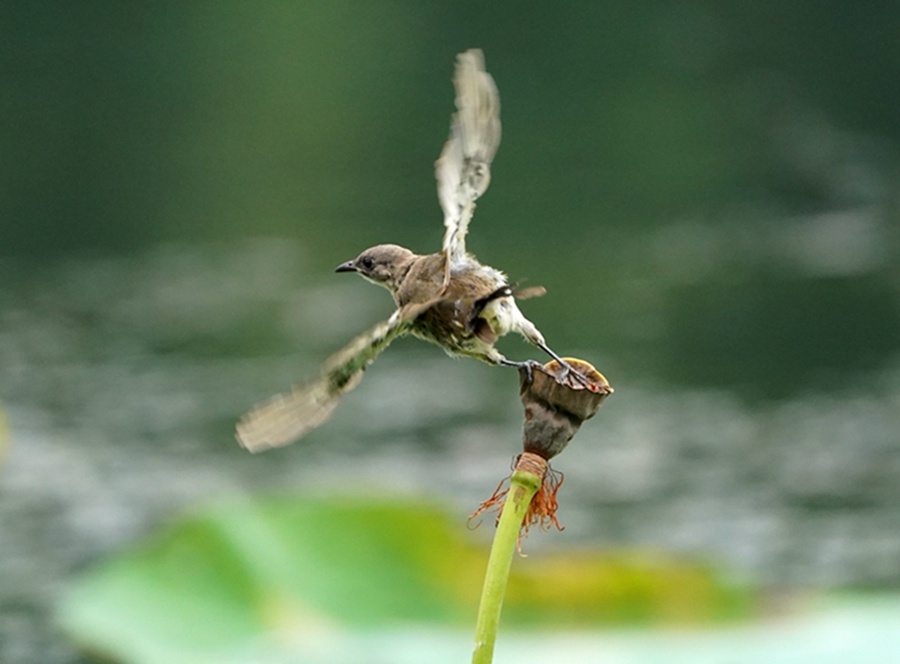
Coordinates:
[367,262]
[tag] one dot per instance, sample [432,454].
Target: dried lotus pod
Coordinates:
[557,402]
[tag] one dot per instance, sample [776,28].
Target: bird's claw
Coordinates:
[528,366]
[565,375]
[567,370]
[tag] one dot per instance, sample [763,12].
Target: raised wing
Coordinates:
[288,417]
[463,170]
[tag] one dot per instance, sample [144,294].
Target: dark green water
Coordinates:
[709,195]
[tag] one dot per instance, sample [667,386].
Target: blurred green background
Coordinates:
[708,190]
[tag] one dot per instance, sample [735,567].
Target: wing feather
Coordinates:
[463,170]
[288,417]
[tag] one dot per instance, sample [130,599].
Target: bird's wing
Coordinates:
[288,417]
[463,170]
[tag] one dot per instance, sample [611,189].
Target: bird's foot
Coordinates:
[528,366]
[567,369]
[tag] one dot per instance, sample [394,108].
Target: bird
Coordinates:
[448,298]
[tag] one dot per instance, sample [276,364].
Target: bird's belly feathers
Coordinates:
[453,326]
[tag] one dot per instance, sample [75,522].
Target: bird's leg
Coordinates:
[567,368]
[528,365]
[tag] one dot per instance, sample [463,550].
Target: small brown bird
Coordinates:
[448,298]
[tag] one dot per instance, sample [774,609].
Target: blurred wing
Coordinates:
[288,417]
[463,170]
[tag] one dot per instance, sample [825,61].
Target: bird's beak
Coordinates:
[349,266]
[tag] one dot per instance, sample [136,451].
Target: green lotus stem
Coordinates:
[522,487]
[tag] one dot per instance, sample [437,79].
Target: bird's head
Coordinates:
[384,264]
